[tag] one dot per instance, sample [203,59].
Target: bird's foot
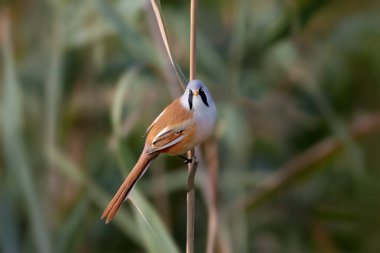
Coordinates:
[186,160]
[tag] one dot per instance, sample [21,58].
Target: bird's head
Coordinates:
[196,95]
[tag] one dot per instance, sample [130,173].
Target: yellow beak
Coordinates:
[196,92]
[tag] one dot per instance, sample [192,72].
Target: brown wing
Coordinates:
[170,127]
[167,139]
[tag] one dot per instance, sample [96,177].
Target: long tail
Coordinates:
[128,184]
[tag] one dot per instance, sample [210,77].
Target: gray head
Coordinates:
[196,95]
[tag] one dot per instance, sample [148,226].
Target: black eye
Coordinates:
[190,91]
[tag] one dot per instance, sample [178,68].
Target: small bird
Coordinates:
[182,125]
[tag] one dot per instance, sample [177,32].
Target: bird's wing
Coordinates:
[170,127]
[169,136]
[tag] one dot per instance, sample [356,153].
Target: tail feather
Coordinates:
[122,194]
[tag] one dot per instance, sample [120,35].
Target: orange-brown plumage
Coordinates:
[178,122]
[176,130]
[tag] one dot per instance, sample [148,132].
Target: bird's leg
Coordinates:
[186,160]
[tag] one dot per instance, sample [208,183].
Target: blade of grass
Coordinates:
[51,103]
[117,105]
[70,226]
[171,77]
[9,241]
[341,130]
[96,194]
[156,4]
[154,233]
[121,152]
[123,220]
[210,185]
[15,154]
[238,43]
[53,82]
[152,228]
[304,164]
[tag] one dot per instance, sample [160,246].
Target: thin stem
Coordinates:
[193,39]
[156,5]
[211,155]
[192,167]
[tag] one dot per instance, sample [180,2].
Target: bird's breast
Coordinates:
[205,122]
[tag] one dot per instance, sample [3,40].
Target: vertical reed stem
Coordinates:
[193,39]
[192,167]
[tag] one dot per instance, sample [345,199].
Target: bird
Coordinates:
[182,125]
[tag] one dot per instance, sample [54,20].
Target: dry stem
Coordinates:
[192,167]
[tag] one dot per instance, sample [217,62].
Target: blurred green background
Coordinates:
[293,165]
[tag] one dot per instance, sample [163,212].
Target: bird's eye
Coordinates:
[201,89]
[190,91]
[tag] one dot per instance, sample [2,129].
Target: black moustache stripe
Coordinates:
[190,99]
[203,97]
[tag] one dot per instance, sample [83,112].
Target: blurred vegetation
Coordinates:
[295,153]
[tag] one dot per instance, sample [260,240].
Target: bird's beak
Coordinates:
[196,92]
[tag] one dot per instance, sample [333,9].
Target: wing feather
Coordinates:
[171,127]
[169,137]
